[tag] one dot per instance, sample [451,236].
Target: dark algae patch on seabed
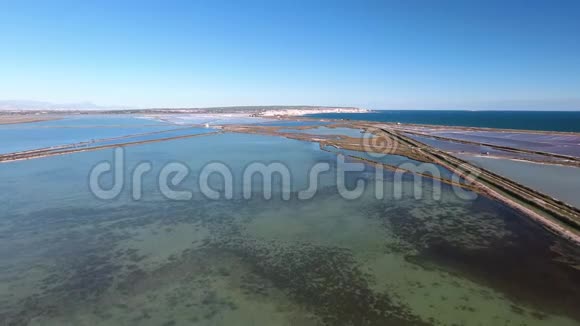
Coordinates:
[525,264]
[91,268]
[103,268]
[327,281]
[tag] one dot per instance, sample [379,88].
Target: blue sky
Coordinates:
[376,54]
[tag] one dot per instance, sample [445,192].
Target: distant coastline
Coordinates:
[552,121]
[269,110]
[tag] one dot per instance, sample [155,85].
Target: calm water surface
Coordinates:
[559,144]
[454,147]
[71,259]
[561,182]
[73,129]
[526,120]
[325,131]
[288,123]
[397,161]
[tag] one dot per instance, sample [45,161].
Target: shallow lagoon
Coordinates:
[69,258]
[158,135]
[72,129]
[397,161]
[290,123]
[96,120]
[325,131]
[561,182]
[474,149]
[211,119]
[558,144]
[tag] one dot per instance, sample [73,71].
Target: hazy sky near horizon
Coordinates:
[376,54]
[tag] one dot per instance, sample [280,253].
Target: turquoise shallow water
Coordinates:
[70,258]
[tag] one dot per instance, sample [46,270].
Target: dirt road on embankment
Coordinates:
[551,213]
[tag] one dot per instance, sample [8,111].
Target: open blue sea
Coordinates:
[525,120]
